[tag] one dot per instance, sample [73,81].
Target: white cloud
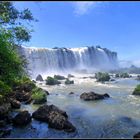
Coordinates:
[84,7]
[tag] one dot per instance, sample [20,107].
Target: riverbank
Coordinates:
[115,117]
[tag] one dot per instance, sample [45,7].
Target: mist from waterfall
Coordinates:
[69,60]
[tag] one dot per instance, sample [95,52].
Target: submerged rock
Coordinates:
[55,117]
[39,78]
[93,96]
[29,101]
[22,118]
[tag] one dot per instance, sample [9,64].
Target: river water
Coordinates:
[114,117]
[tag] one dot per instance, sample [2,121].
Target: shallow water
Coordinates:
[115,117]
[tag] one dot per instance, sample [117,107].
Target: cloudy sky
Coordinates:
[112,25]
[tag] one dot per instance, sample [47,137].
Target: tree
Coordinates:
[11,19]
[12,33]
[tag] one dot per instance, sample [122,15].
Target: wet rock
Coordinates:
[55,117]
[71,93]
[46,92]
[40,101]
[26,87]
[59,77]
[22,118]
[58,121]
[4,110]
[137,135]
[28,101]
[93,96]
[15,103]
[112,80]
[67,82]
[23,96]
[70,75]
[39,78]
[106,95]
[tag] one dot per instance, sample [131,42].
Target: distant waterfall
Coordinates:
[44,60]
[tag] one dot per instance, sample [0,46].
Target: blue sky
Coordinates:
[113,25]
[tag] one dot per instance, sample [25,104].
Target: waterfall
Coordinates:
[45,61]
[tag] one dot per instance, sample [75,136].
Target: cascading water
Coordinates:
[57,60]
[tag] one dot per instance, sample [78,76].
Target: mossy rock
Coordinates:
[124,75]
[67,82]
[102,77]
[52,81]
[59,77]
[136,90]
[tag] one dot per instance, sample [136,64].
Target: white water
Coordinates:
[66,60]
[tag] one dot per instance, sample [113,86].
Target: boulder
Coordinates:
[71,93]
[60,122]
[59,77]
[93,96]
[4,110]
[137,135]
[15,103]
[28,101]
[67,82]
[22,118]
[22,96]
[70,75]
[39,78]
[55,117]
[26,87]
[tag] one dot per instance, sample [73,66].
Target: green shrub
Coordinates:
[69,82]
[4,89]
[39,96]
[102,77]
[52,81]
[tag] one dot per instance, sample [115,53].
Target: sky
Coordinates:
[113,25]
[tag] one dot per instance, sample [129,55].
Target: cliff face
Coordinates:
[43,60]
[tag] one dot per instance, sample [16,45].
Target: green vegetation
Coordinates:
[52,81]
[12,34]
[102,77]
[69,82]
[39,96]
[136,90]
[59,77]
